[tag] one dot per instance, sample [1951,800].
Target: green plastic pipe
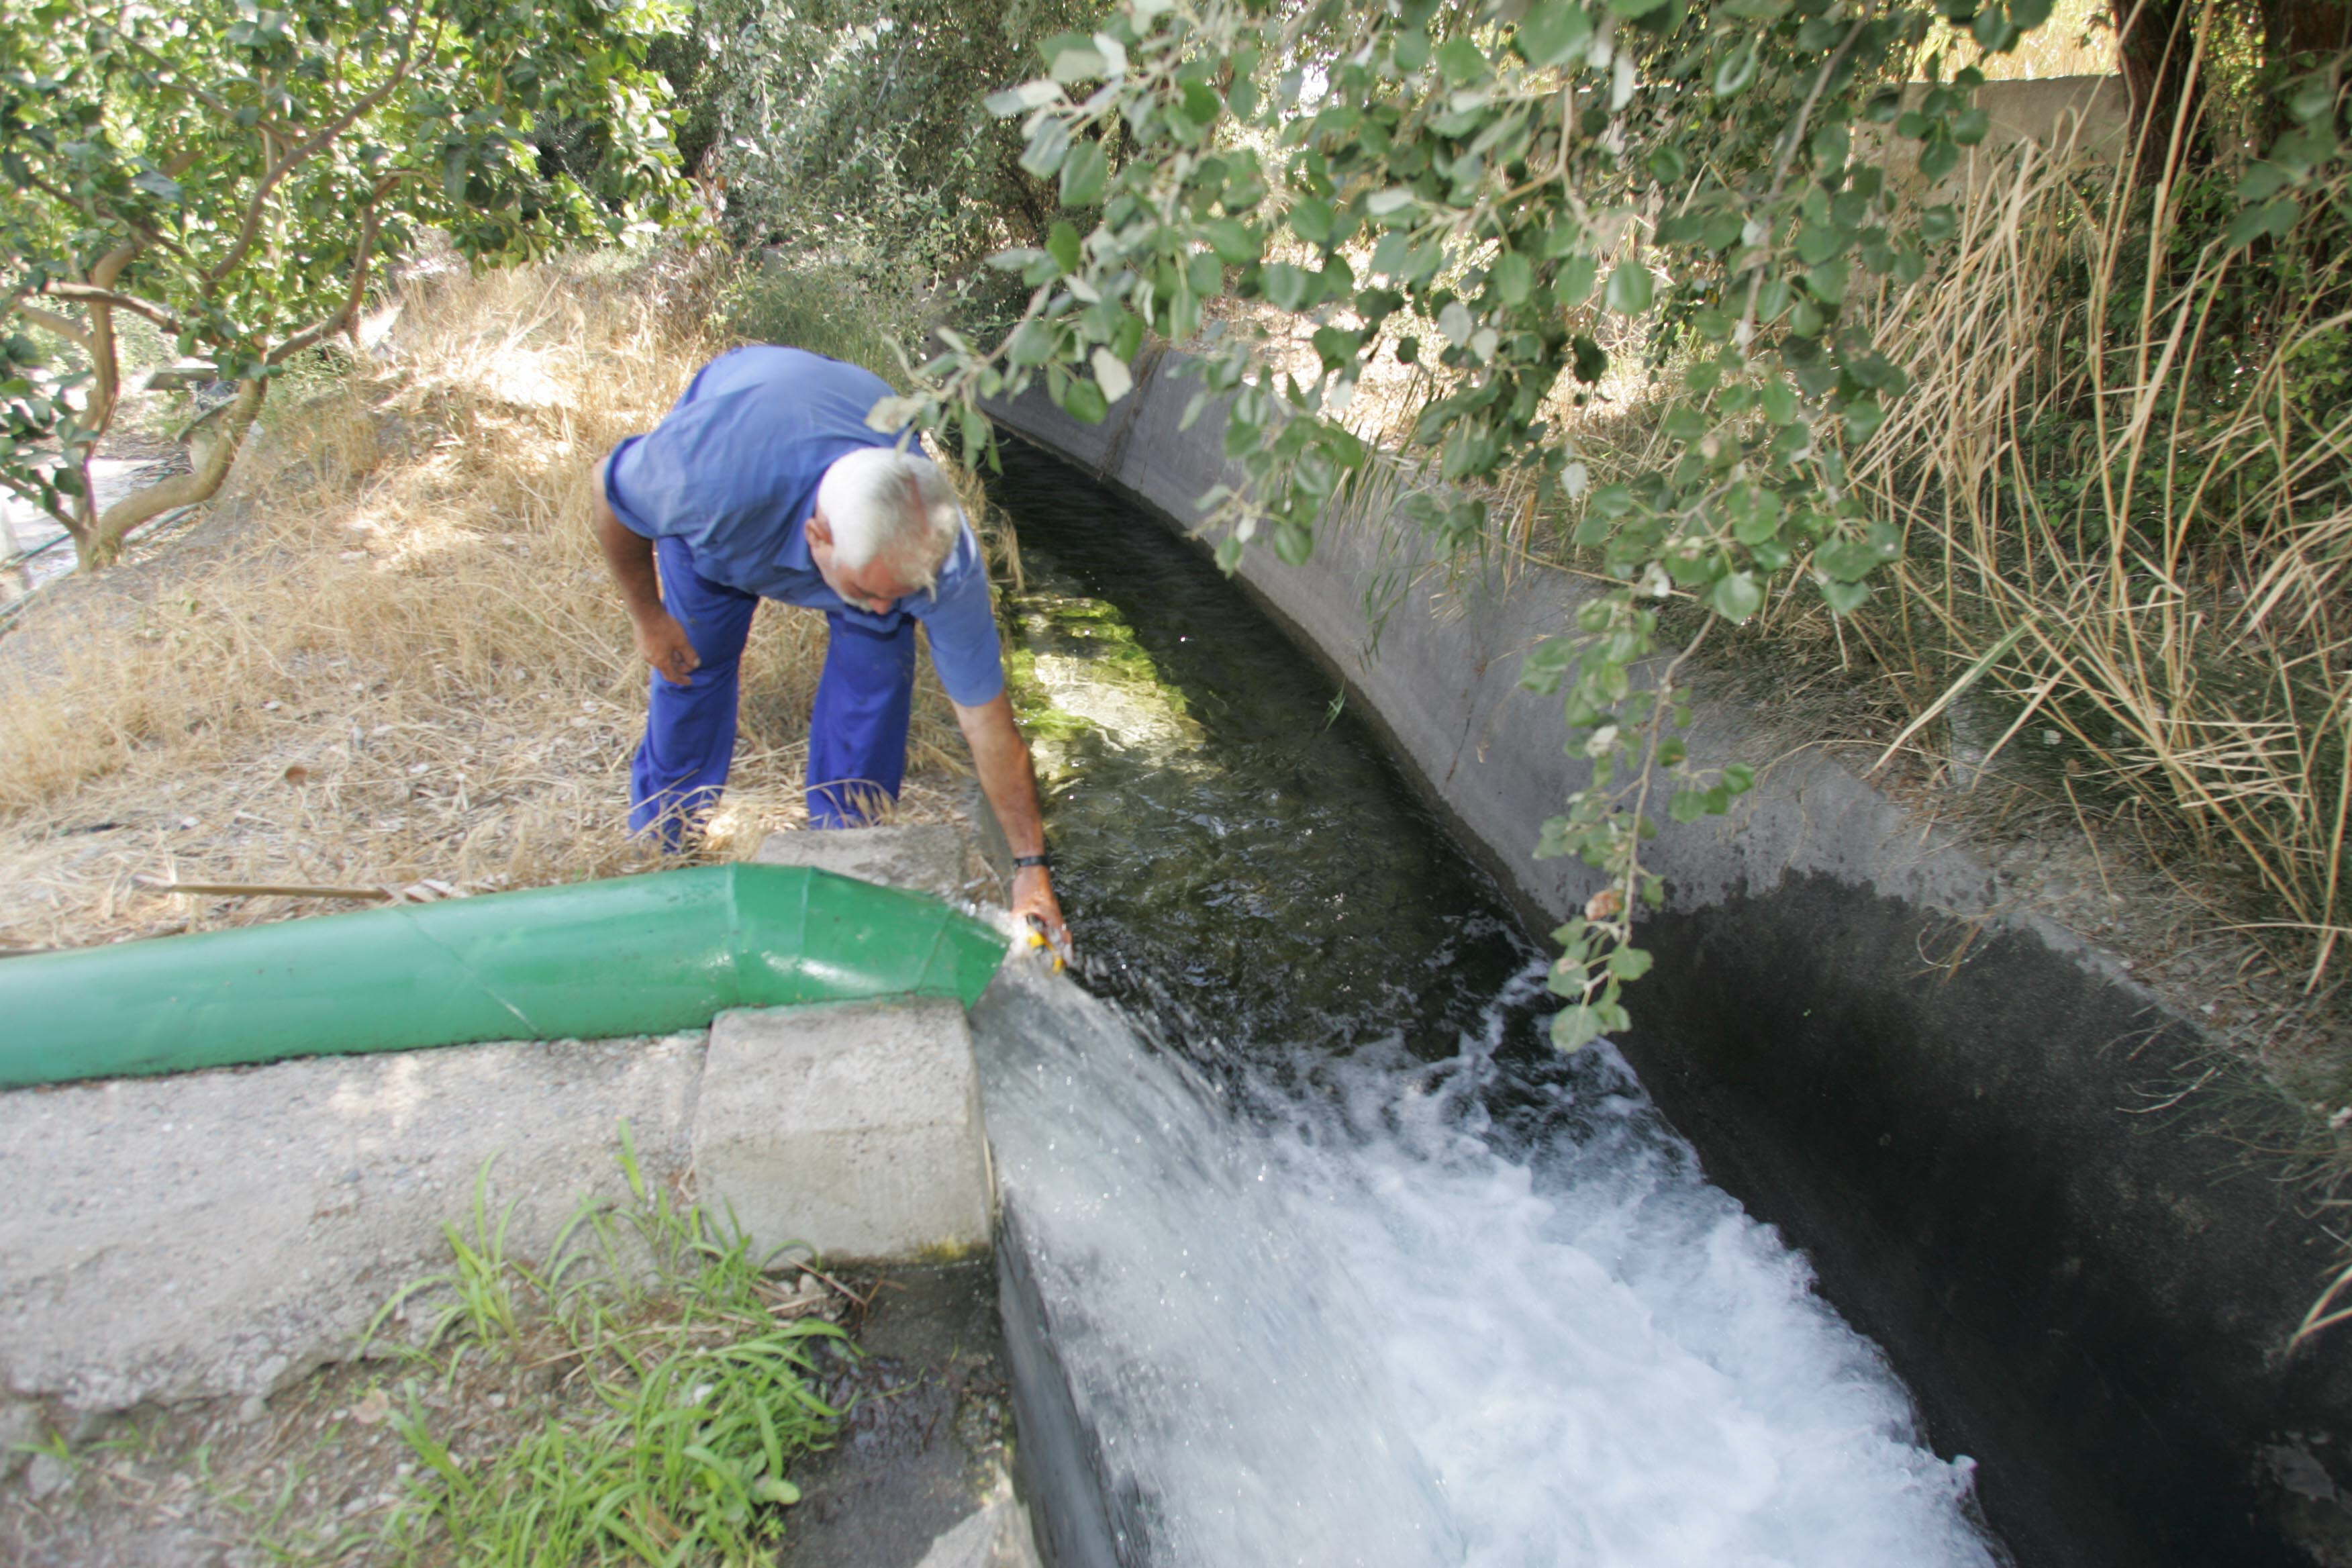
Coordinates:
[630,956]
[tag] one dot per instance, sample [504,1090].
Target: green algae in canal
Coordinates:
[1224,833]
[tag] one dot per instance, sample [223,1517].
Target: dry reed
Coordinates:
[393,653]
[2163,591]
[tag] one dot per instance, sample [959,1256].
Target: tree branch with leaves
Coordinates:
[238,175]
[1732,180]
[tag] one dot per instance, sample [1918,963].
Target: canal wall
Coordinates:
[1973,1120]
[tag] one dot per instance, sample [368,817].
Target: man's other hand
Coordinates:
[664,643]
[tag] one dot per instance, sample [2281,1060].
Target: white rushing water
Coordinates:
[1345,1318]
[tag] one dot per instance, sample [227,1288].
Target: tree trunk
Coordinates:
[2294,30]
[200,484]
[2155,43]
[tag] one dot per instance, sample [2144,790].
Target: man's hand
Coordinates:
[1035,905]
[665,646]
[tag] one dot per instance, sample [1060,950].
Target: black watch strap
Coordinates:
[1044,862]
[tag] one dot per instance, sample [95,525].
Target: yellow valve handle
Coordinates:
[1037,938]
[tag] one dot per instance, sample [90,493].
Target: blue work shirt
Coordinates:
[733,470]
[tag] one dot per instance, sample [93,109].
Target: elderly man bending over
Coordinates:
[764,483]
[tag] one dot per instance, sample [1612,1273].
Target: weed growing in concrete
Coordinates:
[698,1365]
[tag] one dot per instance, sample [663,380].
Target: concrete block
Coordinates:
[926,857]
[854,1127]
[219,1234]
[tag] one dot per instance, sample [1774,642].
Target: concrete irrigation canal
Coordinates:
[1308,1247]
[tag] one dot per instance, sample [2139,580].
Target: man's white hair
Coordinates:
[882,502]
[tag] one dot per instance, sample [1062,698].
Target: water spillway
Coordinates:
[1340,1262]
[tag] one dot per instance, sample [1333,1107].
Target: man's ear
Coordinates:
[818,531]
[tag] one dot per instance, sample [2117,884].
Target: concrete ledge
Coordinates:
[926,857]
[855,1129]
[225,1232]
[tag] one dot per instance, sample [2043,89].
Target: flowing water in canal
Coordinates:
[1345,1264]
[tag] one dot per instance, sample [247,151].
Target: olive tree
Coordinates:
[237,174]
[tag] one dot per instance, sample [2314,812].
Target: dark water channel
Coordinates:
[1343,1263]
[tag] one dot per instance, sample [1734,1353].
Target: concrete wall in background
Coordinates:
[2093,1302]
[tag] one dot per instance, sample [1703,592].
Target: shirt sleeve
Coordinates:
[616,495]
[962,628]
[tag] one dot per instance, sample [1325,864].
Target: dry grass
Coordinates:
[2162,591]
[392,653]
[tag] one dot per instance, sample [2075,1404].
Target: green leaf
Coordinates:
[1235,241]
[1033,344]
[1076,61]
[1062,245]
[1846,560]
[1863,416]
[1629,9]
[1021,100]
[1285,286]
[1573,1029]
[1939,224]
[1939,158]
[1844,598]
[1049,143]
[1551,30]
[1513,277]
[2309,98]
[1630,289]
[1111,374]
[1739,778]
[1817,242]
[1832,143]
[1460,61]
[2274,217]
[2262,181]
[1628,963]
[1085,402]
[1085,174]
[1735,597]
[1311,220]
[1577,275]
[1779,402]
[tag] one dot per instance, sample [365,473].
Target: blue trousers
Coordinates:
[857,735]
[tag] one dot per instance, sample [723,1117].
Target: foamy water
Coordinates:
[1371,1310]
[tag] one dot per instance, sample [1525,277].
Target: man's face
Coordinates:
[876,586]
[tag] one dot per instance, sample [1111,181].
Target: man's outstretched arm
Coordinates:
[630,556]
[1010,780]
